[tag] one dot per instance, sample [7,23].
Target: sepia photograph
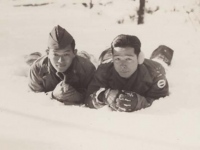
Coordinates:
[100,74]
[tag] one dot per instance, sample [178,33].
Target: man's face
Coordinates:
[125,61]
[61,59]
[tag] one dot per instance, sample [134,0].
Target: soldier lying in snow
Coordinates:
[128,82]
[61,73]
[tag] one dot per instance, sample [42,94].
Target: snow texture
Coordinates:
[31,121]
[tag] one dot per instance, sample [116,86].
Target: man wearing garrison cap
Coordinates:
[61,73]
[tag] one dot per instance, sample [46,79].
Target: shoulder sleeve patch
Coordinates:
[161,83]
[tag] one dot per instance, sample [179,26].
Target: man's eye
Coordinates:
[55,54]
[66,55]
[117,59]
[128,59]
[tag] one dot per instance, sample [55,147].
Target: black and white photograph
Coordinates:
[100,74]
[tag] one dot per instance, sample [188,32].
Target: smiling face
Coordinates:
[61,59]
[125,61]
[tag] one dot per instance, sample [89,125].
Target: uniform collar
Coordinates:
[69,72]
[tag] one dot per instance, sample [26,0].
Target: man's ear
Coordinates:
[75,51]
[140,58]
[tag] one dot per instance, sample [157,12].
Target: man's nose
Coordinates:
[60,59]
[123,64]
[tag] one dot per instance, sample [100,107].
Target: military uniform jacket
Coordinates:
[44,78]
[148,80]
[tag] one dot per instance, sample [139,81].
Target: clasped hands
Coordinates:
[121,100]
[65,93]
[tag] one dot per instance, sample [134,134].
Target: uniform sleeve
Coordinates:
[86,77]
[160,87]
[89,75]
[96,89]
[35,82]
[66,94]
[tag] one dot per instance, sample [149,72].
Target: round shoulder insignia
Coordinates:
[161,83]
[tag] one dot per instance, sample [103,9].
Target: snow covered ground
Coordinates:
[32,121]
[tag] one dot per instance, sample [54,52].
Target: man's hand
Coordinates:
[121,100]
[60,89]
[66,94]
[127,101]
[111,95]
[110,98]
[130,101]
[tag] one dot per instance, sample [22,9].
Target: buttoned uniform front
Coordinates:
[44,78]
[149,81]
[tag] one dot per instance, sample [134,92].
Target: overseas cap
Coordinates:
[59,38]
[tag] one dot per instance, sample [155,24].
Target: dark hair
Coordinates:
[127,41]
[73,44]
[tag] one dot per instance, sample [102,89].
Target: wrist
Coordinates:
[100,96]
[111,96]
[97,98]
[106,93]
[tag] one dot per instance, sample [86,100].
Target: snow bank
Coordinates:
[33,121]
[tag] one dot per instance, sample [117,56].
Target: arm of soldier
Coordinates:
[129,101]
[126,101]
[102,97]
[35,81]
[65,93]
[86,79]
[117,100]
[160,88]
[62,92]
[96,88]
[95,99]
